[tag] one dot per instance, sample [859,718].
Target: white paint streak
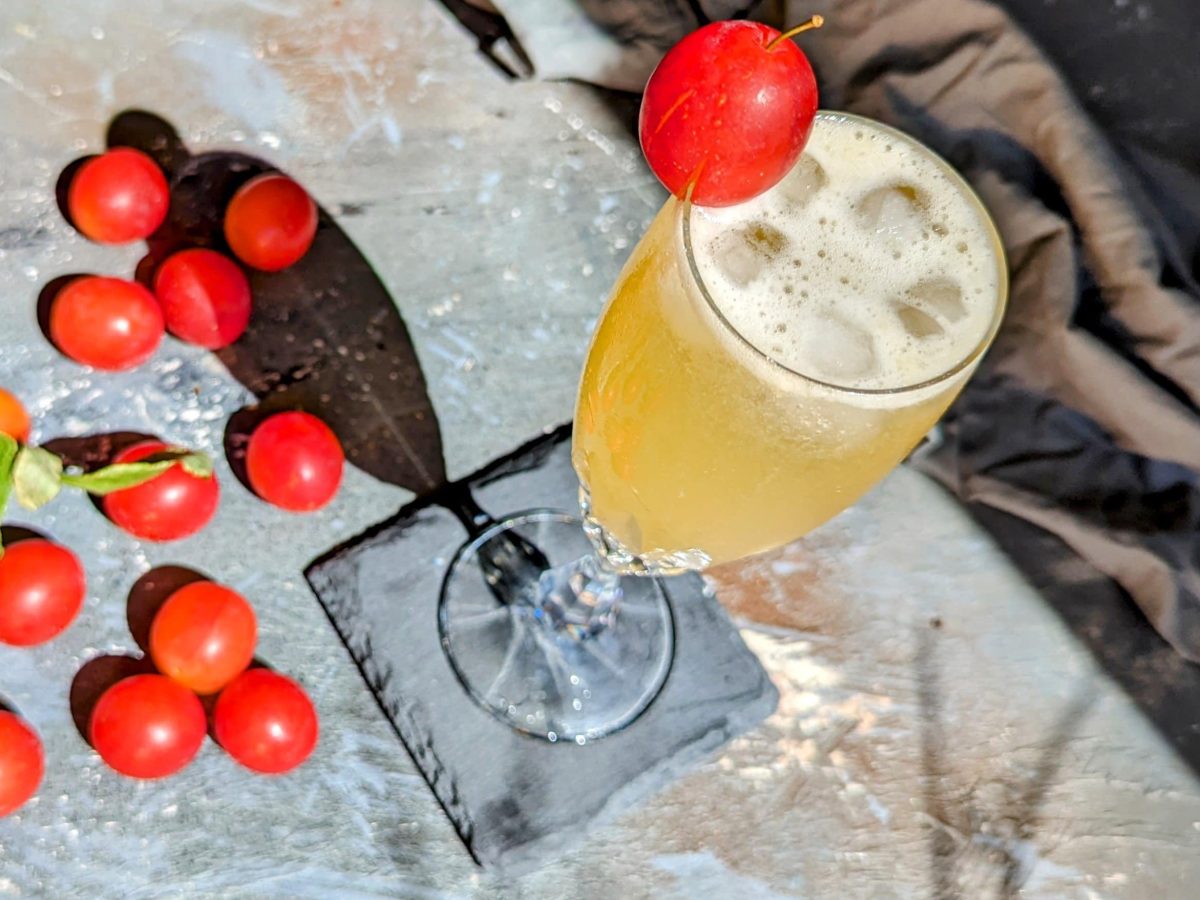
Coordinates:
[719,880]
[878,810]
[104,84]
[236,81]
[391,130]
[39,99]
[287,10]
[488,184]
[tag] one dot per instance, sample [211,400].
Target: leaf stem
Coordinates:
[35,476]
[8,453]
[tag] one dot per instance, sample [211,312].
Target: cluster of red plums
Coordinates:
[202,639]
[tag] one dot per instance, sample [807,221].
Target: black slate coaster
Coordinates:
[518,801]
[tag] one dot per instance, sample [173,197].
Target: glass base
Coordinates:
[546,638]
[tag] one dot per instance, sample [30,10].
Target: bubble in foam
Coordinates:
[744,253]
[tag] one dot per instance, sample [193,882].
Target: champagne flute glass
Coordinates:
[757,369]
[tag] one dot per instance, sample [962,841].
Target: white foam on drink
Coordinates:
[869,266]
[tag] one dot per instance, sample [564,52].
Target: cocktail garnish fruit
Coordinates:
[728,111]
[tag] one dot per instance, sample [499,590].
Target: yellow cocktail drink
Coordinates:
[758,368]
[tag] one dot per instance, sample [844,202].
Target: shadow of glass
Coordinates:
[975,841]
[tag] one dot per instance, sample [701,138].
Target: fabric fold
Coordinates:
[1083,420]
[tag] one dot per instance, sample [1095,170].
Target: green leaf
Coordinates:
[122,476]
[198,464]
[118,477]
[36,477]
[8,452]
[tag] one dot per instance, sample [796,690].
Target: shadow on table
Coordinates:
[11,534]
[978,842]
[1164,685]
[95,677]
[47,296]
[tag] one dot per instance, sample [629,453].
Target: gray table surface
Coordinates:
[907,760]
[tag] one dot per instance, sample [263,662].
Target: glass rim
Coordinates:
[684,211]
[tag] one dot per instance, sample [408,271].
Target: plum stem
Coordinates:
[814,22]
[693,180]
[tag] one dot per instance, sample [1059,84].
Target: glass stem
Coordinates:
[511,565]
[579,599]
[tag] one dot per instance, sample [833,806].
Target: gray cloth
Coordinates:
[1084,419]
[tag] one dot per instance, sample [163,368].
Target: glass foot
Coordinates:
[547,639]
